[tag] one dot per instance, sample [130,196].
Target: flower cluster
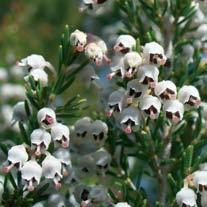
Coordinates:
[94,47]
[28,158]
[198,180]
[145,96]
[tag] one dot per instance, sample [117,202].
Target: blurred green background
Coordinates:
[34,26]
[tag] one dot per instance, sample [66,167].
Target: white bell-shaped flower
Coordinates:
[153,53]
[188,52]
[60,133]
[46,118]
[132,60]
[102,160]
[124,44]
[116,102]
[12,91]
[174,110]
[131,119]
[40,140]
[3,74]
[78,39]
[186,197]
[117,69]
[135,90]
[31,174]
[64,156]
[96,50]
[51,167]
[82,126]
[151,106]
[122,204]
[34,62]
[98,131]
[17,156]
[166,90]
[189,96]
[148,75]
[200,181]
[38,75]
[19,113]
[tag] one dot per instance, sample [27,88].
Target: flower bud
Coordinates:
[17,156]
[124,44]
[186,197]
[40,140]
[78,39]
[38,75]
[132,61]
[189,96]
[99,130]
[31,173]
[34,62]
[151,106]
[131,119]
[153,53]
[166,90]
[148,75]
[60,133]
[174,110]
[46,118]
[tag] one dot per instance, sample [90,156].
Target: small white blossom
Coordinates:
[186,197]
[46,118]
[31,173]
[117,69]
[124,44]
[200,180]
[78,39]
[60,133]
[131,119]
[64,156]
[19,113]
[188,52]
[17,156]
[102,160]
[34,62]
[132,60]
[148,75]
[189,96]
[122,204]
[174,110]
[201,32]
[166,90]
[38,75]
[135,90]
[98,131]
[51,167]
[82,126]
[96,50]
[153,53]
[116,102]
[151,106]
[40,140]
[98,194]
